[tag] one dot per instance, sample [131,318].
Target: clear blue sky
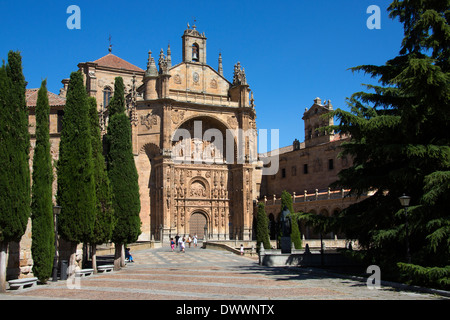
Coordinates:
[292,51]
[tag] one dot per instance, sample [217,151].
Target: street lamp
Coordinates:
[404,201]
[56,212]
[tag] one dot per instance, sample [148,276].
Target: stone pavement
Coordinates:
[206,274]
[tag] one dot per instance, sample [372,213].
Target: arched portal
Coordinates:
[197,224]
[204,139]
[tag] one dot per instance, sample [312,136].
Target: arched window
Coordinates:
[107,94]
[316,131]
[195,52]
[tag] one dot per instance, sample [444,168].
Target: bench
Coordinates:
[21,283]
[84,272]
[105,268]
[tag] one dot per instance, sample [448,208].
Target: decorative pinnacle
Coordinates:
[110,45]
[220,69]
[151,66]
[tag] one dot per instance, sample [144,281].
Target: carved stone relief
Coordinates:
[232,122]
[177,116]
[149,120]
[198,190]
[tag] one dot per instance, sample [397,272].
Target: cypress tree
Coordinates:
[400,144]
[76,188]
[296,236]
[262,228]
[286,201]
[104,218]
[15,193]
[42,246]
[122,174]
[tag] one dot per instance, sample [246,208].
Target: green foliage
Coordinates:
[15,191]
[400,144]
[117,103]
[122,171]
[43,236]
[76,185]
[296,236]
[418,275]
[286,201]
[262,228]
[104,214]
[319,223]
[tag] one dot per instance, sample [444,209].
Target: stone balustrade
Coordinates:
[305,197]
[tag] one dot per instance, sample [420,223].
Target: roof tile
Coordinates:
[53,99]
[113,61]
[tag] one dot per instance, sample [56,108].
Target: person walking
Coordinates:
[172,244]
[189,240]
[195,240]
[181,242]
[177,237]
[242,250]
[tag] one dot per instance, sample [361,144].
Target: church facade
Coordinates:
[191,181]
[194,142]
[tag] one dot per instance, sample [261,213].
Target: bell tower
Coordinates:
[194,45]
[315,122]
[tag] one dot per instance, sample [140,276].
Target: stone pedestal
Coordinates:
[285,244]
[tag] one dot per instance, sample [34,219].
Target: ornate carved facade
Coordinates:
[200,187]
[182,192]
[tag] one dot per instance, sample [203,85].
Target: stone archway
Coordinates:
[197,224]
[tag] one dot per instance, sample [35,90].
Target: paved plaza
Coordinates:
[206,274]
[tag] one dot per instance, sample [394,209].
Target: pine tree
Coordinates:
[15,193]
[262,228]
[400,143]
[43,236]
[104,214]
[76,188]
[122,174]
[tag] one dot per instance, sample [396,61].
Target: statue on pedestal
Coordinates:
[285,228]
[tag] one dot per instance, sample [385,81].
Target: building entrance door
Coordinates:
[197,225]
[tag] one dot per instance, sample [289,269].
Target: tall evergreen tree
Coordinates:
[262,228]
[104,214]
[76,187]
[122,173]
[15,193]
[400,144]
[286,201]
[296,236]
[43,235]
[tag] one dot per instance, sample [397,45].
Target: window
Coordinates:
[283,173]
[330,164]
[294,170]
[195,52]
[60,114]
[107,94]
[305,169]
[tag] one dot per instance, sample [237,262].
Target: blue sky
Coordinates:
[292,51]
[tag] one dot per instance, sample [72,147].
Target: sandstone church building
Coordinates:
[217,199]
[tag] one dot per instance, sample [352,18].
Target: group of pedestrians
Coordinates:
[181,241]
